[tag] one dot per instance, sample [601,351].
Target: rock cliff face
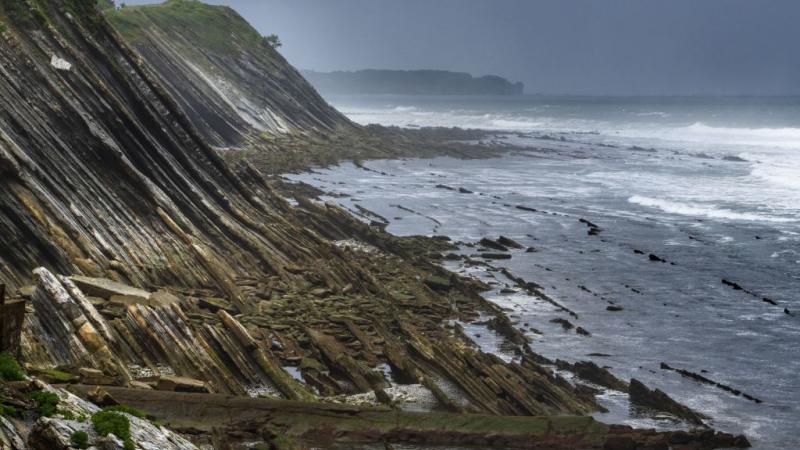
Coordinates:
[102,173]
[224,75]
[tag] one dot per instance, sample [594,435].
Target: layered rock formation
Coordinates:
[103,175]
[148,262]
[224,75]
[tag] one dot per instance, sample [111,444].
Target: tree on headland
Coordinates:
[273,40]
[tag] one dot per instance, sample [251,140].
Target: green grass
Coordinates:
[217,28]
[112,422]
[126,409]
[79,439]
[56,376]
[46,402]
[8,410]
[10,369]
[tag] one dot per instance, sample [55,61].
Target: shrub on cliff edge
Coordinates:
[10,369]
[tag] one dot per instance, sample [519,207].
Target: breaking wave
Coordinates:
[698,210]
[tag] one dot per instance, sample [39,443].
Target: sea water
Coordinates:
[711,186]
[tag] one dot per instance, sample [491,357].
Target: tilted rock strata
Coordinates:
[232,84]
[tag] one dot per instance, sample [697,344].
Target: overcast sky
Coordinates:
[553,46]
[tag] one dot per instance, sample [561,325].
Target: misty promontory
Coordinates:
[411,82]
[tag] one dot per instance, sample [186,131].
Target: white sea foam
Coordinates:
[702,210]
[762,137]
[770,154]
[408,115]
[653,113]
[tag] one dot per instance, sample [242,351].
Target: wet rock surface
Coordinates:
[653,398]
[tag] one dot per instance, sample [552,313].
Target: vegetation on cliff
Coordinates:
[215,28]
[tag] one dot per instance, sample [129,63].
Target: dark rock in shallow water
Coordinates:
[735,286]
[594,230]
[700,378]
[488,243]
[566,324]
[614,308]
[508,242]
[495,256]
[658,400]
[656,258]
[734,159]
[590,371]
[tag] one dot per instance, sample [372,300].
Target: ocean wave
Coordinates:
[411,115]
[777,137]
[699,210]
[402,108]
[653,113]
[781,176]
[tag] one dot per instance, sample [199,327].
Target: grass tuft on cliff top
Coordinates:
[218,28]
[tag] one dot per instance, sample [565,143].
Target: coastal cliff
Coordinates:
[224,75]
[153,267]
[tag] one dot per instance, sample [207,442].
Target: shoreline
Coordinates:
[531,288]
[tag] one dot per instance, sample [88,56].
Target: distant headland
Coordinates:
[411,82]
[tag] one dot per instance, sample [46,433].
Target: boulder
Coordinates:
[438,283]
[321,292]
[181,384]
[105,288]
[95,376]
[508,242]
[101,397]
[140,385]
[162,298]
